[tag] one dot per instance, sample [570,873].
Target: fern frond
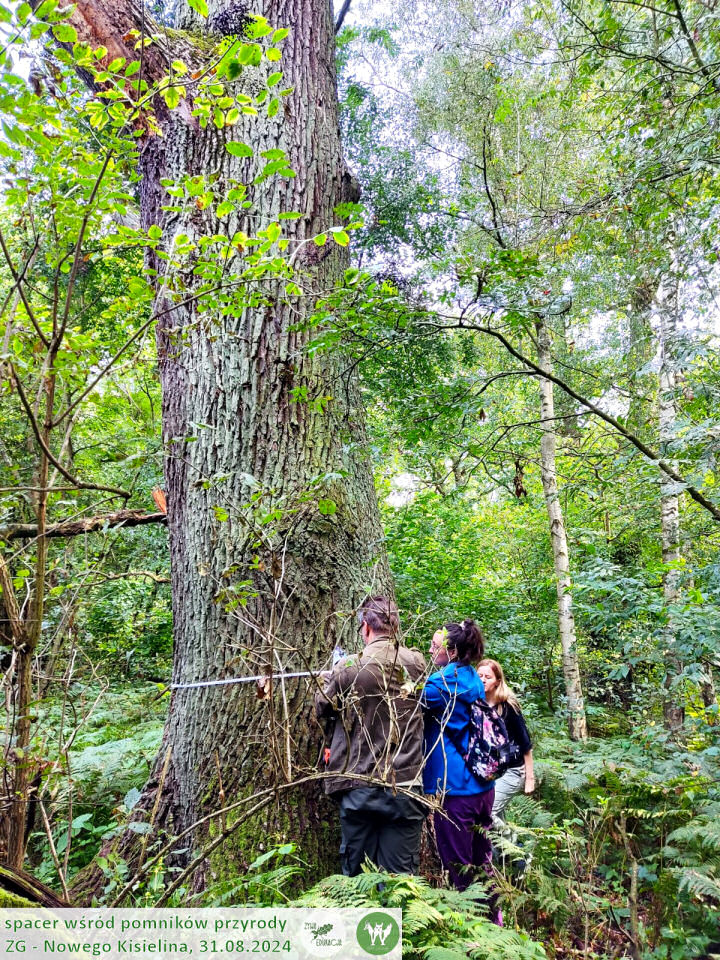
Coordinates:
[444,953]
[702,886]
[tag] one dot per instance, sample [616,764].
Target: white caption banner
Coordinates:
[282,933]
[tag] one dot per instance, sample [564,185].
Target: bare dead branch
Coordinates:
[75,528]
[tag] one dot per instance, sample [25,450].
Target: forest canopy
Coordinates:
[301,305]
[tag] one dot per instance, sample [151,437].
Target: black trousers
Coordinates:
[382,827]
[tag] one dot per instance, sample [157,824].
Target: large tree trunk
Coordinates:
[666,317]
[251,591]
[577,723]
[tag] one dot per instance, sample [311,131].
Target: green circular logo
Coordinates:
[378,933]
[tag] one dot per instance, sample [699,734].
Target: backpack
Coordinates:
[489,750]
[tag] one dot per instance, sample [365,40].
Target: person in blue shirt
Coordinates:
[462,829]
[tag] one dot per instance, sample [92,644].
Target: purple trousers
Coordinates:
[462,836]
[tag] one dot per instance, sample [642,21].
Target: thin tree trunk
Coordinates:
[22,772]
[640,349]
[271,582]
[666,312]
[708,691]
[577,723]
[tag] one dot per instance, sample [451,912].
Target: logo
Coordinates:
[378,933]
[320,932]
[323,933]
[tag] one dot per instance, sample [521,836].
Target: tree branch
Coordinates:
[702,66]
[18,285]
[75,528]
[341,16]
[9,601]
[46,450]
[647,451]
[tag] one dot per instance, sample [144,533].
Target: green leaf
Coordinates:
[250,53]
[274,79]
[137,287]
[238,149]
[64,32]
[280,34]
[320,240]
[137,826]
[224,208]
[199,6]
[273,54]
[341,238]
[273,107]
[327,507]
[171,96]
[45,9]
[23,12]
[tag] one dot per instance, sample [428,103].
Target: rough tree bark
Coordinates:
[577,723]
[666,313]
[229,415]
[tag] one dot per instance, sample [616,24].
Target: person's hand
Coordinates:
[529,784]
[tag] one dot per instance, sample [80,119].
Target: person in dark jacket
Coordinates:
[461,830]
[520,774]
[376,745]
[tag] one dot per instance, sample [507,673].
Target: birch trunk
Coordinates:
[232,428]
[666,310]
[577,724]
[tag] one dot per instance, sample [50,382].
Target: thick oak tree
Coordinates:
[273,523]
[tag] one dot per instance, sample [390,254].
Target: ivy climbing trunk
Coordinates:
[577,723]
[273,522]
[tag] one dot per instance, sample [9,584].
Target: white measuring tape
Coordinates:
[220,683]
[337,655]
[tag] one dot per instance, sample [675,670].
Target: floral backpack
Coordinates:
[489,750]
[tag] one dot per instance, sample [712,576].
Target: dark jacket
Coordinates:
[517,732]
[379,728]
[448,694]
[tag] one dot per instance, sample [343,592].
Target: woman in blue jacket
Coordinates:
[462,838]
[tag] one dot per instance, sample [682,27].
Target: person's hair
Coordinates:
[380,614]
[503,693]
[466,639]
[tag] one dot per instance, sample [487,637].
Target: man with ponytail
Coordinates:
[376,745]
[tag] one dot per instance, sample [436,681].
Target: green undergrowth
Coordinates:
[630,804]
[113,737]
[438,923]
